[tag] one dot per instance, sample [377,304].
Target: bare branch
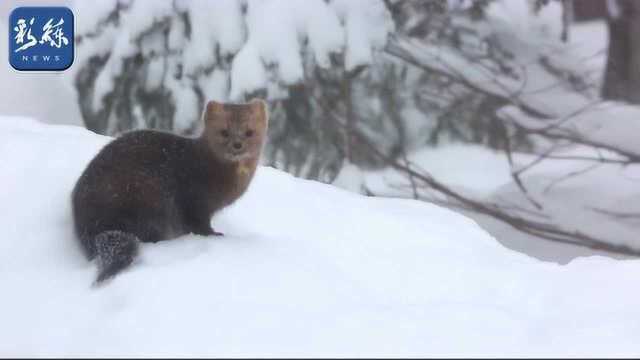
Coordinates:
[543,230]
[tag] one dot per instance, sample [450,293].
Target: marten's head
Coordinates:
[236,131]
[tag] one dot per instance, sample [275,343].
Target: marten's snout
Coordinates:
[236,147]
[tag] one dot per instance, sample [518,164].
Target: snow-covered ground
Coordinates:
[468,168]
[305,269]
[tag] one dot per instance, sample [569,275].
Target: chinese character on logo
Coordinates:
[41,38]
[58,35]
[23,29]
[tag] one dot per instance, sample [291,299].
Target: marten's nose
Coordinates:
[237,145]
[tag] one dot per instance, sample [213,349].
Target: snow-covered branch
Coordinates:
[173,54]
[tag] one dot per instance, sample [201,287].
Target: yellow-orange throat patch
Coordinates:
[243,169]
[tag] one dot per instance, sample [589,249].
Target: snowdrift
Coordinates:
[305,269]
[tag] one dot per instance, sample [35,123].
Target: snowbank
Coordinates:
[305,270]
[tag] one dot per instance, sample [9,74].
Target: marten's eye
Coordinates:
[224,133]
[249,133]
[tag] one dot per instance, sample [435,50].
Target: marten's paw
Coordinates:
[207,231]
[215,233]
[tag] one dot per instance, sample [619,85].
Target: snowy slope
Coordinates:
[304,270]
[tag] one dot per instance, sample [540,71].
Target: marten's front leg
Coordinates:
[197,219]
[206,231]
[202,226]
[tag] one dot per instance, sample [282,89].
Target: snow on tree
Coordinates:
[153,64]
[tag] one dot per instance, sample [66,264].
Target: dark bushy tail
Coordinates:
[115,250]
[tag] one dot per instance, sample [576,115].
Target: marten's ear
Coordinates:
[259,106]
[214,108]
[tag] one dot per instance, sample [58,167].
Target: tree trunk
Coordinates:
[622,74]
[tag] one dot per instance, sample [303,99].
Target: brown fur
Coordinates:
[150,185]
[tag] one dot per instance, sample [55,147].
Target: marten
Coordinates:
[148,185]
